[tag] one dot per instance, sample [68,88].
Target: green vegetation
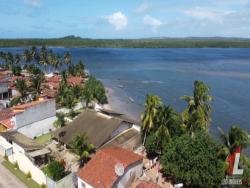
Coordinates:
[94,90]
[60,122]
[55,170]
[194,161]
[20,175]
[187,152]
[43,139]
[130,43]
[81,146]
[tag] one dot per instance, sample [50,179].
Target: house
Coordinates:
[100,129]
[29,155]
[32,119]
[5,92]
[111,167]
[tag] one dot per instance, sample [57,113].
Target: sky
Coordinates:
[124,18]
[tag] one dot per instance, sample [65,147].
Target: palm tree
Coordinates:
[67,58]
[148,118]
[168,122]
[22,87]
[43,56]
[36,83]
[17,59]
[60,122]
[80,145]
[197,115]
[27,56]
[235,138]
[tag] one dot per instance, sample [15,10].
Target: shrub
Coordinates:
[28,175]
[55,170]
[16,165]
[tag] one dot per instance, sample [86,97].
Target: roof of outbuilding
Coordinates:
[99,172]
[26,143]
[97,127]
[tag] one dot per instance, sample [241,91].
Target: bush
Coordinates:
[28,175]
[55,170]
[16,165]
[6,158]
[194,161]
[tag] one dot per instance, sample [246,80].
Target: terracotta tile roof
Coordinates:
[145,184]
[55,79]
[28,105]
[7,123]
[6,113]
[99,172]
[74,80]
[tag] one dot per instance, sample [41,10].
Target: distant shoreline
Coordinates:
[130,43]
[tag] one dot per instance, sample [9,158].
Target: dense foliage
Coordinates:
[55,170]
[94,90]
[81,146]
[130,43]
[194,160]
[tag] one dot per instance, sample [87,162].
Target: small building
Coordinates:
[5,92]
[101,129]
[111,167]
[29,155]
[31,119]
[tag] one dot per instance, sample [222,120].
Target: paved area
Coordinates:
[7,179]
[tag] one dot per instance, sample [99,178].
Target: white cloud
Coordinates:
[118,20]
[144,7]
[206,14]
[34,3]
[152,22]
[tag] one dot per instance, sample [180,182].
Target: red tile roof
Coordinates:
[99,172]
[145,184]
[28,105]
[7,123]
[6,113]
[55,79]
[74,80]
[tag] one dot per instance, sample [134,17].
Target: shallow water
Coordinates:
[170,73]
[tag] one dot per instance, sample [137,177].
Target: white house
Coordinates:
[31,119]
[24,151]
[111,167]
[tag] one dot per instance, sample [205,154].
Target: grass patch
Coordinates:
[43,139]
[20,175]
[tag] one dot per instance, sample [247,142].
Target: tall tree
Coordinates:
[149,116]
[67,58]
[36,83]
[27,57]
[168,125]
[197,114]
[22,87]
[81,146]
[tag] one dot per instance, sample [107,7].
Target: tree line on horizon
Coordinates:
[129,43]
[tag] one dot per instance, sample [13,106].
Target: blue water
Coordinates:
[170,73]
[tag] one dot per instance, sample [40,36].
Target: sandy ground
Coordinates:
[119,102]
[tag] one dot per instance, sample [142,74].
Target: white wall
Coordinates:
[80,183]
[36,113]
[25,165]
[135,169]
[38,128]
